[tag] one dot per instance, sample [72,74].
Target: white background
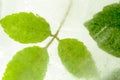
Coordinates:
[53,11]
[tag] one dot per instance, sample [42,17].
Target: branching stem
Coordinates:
[61,24]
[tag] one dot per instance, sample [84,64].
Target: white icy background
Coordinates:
[53,11]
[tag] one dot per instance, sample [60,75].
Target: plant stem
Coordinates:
[64,18]
[61,24]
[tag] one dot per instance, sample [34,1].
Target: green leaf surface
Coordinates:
[28,64]
[104,28]
[76,58]
[115,75]
[26,27]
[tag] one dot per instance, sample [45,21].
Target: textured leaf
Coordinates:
[115,75]
[26,27]
[76,58]
[28,64]
[104,28]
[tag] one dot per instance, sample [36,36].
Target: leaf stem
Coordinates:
[61,24]
[64,18]
[55,37]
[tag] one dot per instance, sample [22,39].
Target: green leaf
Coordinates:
[28,64]
[26,27]
[115,75]
[76,58]
[104,28]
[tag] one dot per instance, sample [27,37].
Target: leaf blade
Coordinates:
[76,58]
[28,64]
[114,75]
[26,27]
[104,28]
